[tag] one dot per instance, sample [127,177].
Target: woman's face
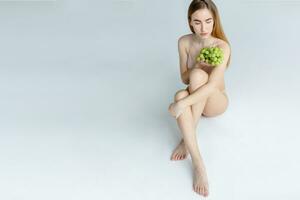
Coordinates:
[202,22]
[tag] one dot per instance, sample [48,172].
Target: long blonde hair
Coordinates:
[217,28]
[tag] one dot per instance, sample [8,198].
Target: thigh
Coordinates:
[216,104]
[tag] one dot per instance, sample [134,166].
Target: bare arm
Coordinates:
[211,86]
[217,74]
[183,55]
[185,76]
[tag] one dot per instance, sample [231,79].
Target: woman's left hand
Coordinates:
[176,109]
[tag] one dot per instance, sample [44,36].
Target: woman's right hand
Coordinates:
[204,64]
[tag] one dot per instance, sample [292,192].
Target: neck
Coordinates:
[201,40]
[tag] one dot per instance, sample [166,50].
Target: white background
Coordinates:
[84,92]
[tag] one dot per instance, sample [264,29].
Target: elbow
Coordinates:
[185,80]
[185,77]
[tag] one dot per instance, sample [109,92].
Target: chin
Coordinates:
[208,35]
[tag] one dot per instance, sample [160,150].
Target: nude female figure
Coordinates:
[205,95]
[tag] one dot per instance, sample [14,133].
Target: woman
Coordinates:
[205,94]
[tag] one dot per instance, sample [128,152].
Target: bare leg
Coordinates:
[187,126]
[197,78]
[187,123]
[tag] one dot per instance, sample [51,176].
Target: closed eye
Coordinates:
[206,22]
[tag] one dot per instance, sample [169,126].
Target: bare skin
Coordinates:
[213,101]
[181,152]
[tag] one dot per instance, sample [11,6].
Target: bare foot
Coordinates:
[180,152]
[200,184]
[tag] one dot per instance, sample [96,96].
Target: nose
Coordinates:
[203,29]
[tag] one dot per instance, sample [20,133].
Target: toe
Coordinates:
[176,157]
[198,190]
[202,191]
[206,192]
[172,157]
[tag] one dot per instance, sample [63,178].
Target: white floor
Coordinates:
[85,88]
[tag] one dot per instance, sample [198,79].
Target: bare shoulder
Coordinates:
[185,40]
[226,50]
[224,45]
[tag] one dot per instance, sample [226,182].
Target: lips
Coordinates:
[203,33]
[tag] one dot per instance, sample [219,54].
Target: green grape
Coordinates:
[211,55]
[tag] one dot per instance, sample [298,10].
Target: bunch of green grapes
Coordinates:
[211,55]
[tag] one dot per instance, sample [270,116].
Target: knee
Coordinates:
[198,76]
[180,95]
